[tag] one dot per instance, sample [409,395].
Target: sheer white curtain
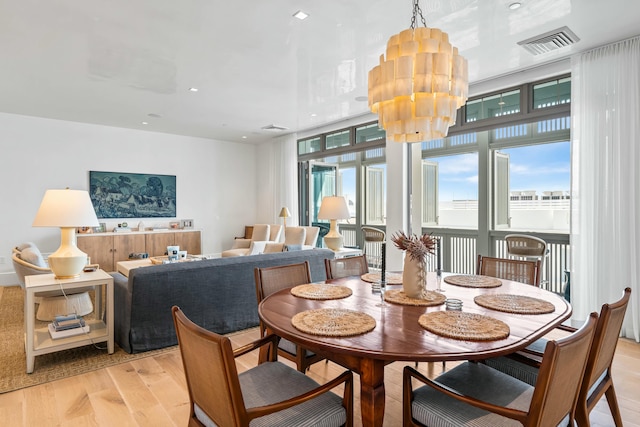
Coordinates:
[605,218]
[278,180]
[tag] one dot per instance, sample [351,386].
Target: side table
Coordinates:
[347,252]
[38,341]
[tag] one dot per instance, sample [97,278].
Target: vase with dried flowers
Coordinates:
[414,275]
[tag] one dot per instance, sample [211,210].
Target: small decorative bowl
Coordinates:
[453,304]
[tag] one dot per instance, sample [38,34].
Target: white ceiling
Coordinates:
[124,62]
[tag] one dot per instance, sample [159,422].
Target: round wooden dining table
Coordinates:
[398,335]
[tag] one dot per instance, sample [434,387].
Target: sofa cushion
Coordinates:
[261,232]
[25,245]
[33,256]
[257,247]
[291,248]
[271,248]
[241,243]
[234,252]
[275,230]
[312,236]
[294,235]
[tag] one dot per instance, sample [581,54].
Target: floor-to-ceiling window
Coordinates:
[504,168]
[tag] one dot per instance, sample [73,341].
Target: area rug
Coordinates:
[48,367]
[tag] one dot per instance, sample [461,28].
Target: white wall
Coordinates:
[216,180]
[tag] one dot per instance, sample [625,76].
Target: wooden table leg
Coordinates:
[372,392]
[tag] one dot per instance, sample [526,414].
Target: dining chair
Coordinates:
[344,267]
[271,391]
[476,394]
[373,238]
[529,248]
[598,380]
[510,269]
[273,279]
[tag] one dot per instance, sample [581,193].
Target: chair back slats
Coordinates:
[606,338]
[595,384]
[344,267]
[563,365]
[510,269]
[210,371]
[525,245]
[273,279]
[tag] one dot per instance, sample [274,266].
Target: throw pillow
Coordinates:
[273,248]
[33,256]
[257,247]
[291,248]
[25,245]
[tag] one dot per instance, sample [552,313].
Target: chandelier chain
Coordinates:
[417,11]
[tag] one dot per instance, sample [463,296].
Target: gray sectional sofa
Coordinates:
[217,294]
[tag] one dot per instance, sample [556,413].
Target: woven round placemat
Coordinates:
[473,281]
[397,296]
[465,326]
[392,278]
[333,322]
[321,292]
[519,304]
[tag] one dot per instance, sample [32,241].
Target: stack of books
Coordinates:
[67,326]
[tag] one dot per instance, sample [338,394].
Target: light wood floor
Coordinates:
[152,392]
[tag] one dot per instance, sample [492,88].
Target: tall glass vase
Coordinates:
[414,277]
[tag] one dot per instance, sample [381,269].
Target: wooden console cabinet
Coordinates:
[107,249]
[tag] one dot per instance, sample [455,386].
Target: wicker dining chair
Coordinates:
[528,248]
[373,239]
[476,394]
[273,279]
[344,267]
[510,269]
[598,381]
[270,393]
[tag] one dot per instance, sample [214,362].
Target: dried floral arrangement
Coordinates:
[418,247]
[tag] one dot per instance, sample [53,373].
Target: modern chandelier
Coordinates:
[418,88]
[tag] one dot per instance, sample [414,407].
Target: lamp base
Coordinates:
[333,239]
[333,243]
[68,261]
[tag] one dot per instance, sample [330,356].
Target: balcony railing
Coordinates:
[460,253]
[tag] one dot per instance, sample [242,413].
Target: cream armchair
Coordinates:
[263,234]
[311,238]
[28,261]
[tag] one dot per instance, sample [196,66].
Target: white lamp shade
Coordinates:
[66,208]
[334,207]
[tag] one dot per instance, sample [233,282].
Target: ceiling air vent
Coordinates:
[549,41]
[274,127]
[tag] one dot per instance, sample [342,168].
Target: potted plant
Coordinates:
[414,275]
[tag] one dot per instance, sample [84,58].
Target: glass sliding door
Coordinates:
[323,181]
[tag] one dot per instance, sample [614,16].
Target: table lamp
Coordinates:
[333,208]
[284,214]
[66,209]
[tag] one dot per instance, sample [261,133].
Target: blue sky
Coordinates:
[543,167]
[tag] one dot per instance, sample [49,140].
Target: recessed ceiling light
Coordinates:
[314,115]
[515,5]
[300,15]
[145,123]
[193,89]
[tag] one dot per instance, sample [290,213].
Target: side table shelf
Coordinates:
[38,341]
